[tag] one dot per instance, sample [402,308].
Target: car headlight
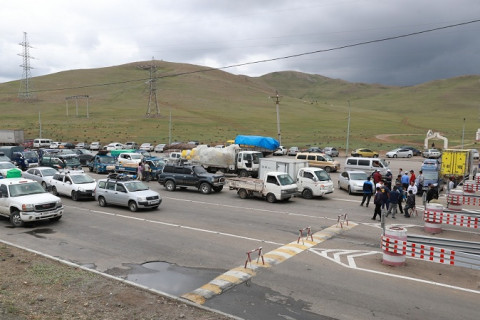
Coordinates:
[81,189]
[142,199]
[58,204]
[28,207]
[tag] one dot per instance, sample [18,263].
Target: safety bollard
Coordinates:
[433,218]
[469,186]
[394,244]
[454,200]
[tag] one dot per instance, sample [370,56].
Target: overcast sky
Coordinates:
[83,34]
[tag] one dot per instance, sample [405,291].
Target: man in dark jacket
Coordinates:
[367,191]
[410,203]
[394,195]
[377,201]
[432,193]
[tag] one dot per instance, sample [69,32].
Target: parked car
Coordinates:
[54,145]
[400,153]
[147,147]
[122,191]
[131,145]
[159,147]
[314,149]
[95,146]
[4,158]
[66,145]
[432,154]
[331,151]
[366,153]
[74,184]
[415,151]
[114,146]
[281,151]
[4,167]
[84,155]
[352,181]
[292,151]
[82,145]
[319,160]
[42,175]
[195,176]
[431,164]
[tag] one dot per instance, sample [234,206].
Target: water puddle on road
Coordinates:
[171,278]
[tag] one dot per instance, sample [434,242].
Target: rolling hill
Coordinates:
[213,106]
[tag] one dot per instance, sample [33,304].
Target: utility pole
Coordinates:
[277,104]
[152,96]
[348,128]
[25,84]
[463,131]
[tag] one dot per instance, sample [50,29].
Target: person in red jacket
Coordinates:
[412,177]
[377,177]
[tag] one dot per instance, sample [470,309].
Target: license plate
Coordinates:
[153,202]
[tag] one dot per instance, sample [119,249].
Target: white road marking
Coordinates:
[324,253]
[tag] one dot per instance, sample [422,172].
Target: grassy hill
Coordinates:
[215,106]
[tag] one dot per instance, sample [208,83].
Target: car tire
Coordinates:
[307,194]
[44,185]
[16,220]
[170,185]
[271,198]
[243,194]
[74,196]
[394,155]
[54,191]
[205,188]
[328,169]
[243,173]
[409,156]
[349,190]
[102,202]
[132,205]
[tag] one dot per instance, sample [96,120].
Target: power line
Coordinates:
[271,59]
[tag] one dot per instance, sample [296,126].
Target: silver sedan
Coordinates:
[42,175]
[400,153]
[352,181]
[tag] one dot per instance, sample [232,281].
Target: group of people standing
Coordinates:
[391,199]
[143,171]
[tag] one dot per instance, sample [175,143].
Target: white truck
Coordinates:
[230,159]
[24,200]
[274,186]
[311,181]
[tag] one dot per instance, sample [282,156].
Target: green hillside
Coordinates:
[215,106]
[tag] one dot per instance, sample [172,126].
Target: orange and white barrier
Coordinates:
[393,246]
[309,234]
[470,186]
[451,218]
[342,218]
[432,225]
[249,258]
[455,199]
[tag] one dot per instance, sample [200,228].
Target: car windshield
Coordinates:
[384,164]
[48,172]
[135,186]
[30,155]
[199,170]
[106,160]
[81,178]
[285,179]
[358,176]
[23,189]
[136,156]
[322,175]
[430,175]
[6,165]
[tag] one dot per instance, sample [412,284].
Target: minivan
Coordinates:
[42,143]
[319,160]
[369,165]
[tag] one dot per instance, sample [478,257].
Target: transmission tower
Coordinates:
[25,91]
[152,96]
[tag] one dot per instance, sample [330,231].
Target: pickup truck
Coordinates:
[196,176]
[275,186]
[102,163]
[24,200]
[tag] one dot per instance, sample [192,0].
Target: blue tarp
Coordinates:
[257,141]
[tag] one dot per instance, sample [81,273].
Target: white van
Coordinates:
[42,143]
[369,165]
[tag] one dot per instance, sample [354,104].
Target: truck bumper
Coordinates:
[30,216]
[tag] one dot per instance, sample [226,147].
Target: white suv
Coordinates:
[73,184]
[122,191]
[24,200]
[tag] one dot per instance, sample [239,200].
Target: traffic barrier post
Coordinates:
[454,200]
[249,258]
[342,218]
[309,234]
[431,216]
[394,246]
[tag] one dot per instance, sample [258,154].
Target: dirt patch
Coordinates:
[35,287]
[396,138]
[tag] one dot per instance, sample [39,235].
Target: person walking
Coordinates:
[432,193]
[377,201]
[388,179]
[419,182]
[401,197]
[405,181]
[367,191]
[140,171]
[377,177]
[451,185]
[410,203]
[412,187]
[394,196]
[412,177]
[385,197]
[146,171]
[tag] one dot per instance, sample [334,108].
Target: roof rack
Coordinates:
[119,176]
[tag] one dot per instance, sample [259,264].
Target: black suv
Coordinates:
[190,176]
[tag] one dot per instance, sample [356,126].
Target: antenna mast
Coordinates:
[25,84]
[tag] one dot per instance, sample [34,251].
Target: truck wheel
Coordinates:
[271,198]
[170,185]
[132,205]
[102,202]
[328,169]
[307,194]
[74,196]
[205,188]
[15,219]
[242,193]
[218,189]
[54,191]
[243,173]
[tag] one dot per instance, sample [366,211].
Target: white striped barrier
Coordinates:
[420,251]
[470,186]
[451,218]
[392,246]
[430,214]
[455,199]
[477,179]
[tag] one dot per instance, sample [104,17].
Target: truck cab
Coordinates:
[25,159]
[102,163]
[314,182]
[248,163]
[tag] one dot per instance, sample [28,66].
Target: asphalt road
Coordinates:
[204,236]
